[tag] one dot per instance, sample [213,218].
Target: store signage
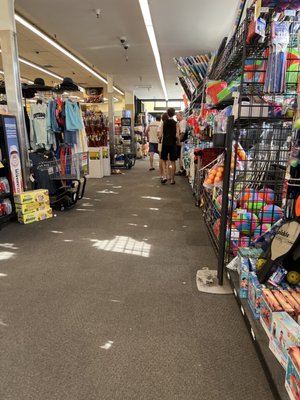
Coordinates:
[11,133]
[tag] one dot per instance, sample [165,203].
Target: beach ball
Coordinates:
[267,195]
[245,196]
[246,222]
[231,204]
[260,230]
[270,214]
[255,204]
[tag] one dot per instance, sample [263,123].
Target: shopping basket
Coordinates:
[70,173]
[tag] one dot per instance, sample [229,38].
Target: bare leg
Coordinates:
[151,160]
[161,169]
[173,167]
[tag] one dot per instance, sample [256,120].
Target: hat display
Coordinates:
[68,85]
[39,85]
[27,91]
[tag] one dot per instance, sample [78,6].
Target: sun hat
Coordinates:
[67,85]
[39,85]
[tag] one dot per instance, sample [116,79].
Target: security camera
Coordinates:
[126,46]
[123,39]
[176,83]
[98,12]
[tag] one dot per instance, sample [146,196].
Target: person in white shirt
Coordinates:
[152,133]
[183,128]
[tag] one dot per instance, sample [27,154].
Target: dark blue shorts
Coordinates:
[153,148]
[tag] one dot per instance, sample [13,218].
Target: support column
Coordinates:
[111,113]
[11,68]
[129,104]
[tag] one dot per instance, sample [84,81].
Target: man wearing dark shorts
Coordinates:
[169,145]
[152,133]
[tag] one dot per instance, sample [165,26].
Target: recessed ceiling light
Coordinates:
[53,43]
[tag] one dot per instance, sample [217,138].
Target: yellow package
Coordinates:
[35,216]
[30,207]
[33,196]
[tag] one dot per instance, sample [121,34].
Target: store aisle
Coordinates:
[100,303]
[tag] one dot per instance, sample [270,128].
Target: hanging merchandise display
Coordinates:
[58,143]
[247,183]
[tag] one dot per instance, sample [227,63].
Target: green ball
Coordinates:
[293,277]
[294,163]
[297,123]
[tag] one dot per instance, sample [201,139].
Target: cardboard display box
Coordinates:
[35,216]
[254,294]
[285,334]
[33,196]
[268,306]
[292,378]
[31,207]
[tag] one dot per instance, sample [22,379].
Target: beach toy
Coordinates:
[246,195]
[231,204]
[260,230]
[267,195]
[270,214]
[255,204]
[246,222]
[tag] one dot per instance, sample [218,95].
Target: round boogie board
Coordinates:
[285,241]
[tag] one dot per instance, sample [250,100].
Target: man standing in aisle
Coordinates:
[152,133]
[183,132]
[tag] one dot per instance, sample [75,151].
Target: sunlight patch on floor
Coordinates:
[151,198]
[107,345]
[9,246]
[123,244]
[6,255]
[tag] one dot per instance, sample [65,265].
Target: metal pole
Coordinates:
[226,187]
[111,116]
[11,68]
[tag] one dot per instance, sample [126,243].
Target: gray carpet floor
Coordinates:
[100,303]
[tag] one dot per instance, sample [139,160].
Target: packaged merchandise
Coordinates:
[292,378]
[35,216]
[244,277]
[30,207]
[254,294]
[4,185]
[268,306]
[40,195]
[286,306]
[285,333]
[5,207]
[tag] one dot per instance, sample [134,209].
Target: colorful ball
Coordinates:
[260,230]
[255,204]
[231,204]
[270,214]
[246,195]
[293,277]
[267,195]
[246,222]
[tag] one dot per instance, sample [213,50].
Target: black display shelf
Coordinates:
[5,195]
[6,218]
[274,372]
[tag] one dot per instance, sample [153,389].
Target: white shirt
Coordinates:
[182,125]
[153,131]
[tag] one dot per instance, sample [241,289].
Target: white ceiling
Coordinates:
[182,28]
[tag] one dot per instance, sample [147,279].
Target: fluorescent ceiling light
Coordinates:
[22,60]
[62,50]
[25,79]
[151,33]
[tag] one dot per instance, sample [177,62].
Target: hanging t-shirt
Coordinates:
[38,125]
[73,118]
